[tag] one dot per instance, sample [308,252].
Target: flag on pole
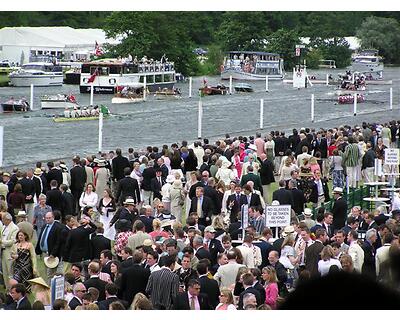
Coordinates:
[98,51]
[94,75]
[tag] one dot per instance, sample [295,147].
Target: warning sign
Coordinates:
[391,156]
[277,216]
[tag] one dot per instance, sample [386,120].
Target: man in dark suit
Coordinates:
[65,230]
[209,287]
[18,293]
[78,241]
[79,290]
[119,163]
[134,279]
[312,253]
[203,206]
[234,203]
[251,176]
[281,274]
[248,281]
[214,246]
[95,281]
[250,198]
[78,181]
[54,197]
[105,261]
[145,215]
[54,173]
[99,243]
[157,183]
[200,251]
[282,195]
[327,225]
[199,183]
[319,190]
[266,175]
[29,190]
[299,200]
[212,193]
[68,202]
[128,187]
[192,299]
[339,209]
[369,265]
[49,241]
[127,258]
[111,296]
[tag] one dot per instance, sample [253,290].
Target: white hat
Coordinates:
[39,281]
[287,230]
[51,262]
[21,213]
[209,229]
[170,179]
[338,190]
[307,212]
[129,201]
[275,203]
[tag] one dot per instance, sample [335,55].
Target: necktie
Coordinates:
[44,236]
[238,198]
[159,180]
[192,305]
[199,208]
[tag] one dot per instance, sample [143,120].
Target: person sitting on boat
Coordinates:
[71,98]
[25,104]
[67,113]
[124,91]
[95,111]
[85,112]
[78,112]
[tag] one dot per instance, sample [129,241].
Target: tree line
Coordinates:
[176,34]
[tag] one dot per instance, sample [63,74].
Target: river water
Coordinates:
[35,137]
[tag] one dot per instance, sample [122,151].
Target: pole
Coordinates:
[327,79]
[1,145]
[31,101]
[261,113]
[266,84]
[91,94]
[100,131]
[230,84]
[200,116]
[190,87]
[391,98]
[145,88]
[355,104]
[312,108]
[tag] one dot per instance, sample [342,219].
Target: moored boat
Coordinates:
[168,94]
[58,101]
[41,74]
[219,89]
[252,65]
[349,98]
[129,93]
[368,61]
[243,87]
[12,105]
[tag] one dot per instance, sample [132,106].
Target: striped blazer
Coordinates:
[163,287]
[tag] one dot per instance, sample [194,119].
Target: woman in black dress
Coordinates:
[24,257]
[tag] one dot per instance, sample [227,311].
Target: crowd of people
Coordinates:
[164,228]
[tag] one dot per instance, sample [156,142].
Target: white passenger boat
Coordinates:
[58,101]
[368,62]
[40,74]
[252,65]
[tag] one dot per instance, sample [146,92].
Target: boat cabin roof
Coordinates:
[259,53]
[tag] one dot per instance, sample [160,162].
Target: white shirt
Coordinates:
[89,199]
[357,255]
[324,266]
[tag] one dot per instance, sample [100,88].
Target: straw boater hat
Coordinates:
[170,179]
[307,212]
[338,190]
[51,262]
[101,163]
[21,213]
[129,201]
[39,281]
[37,172]
[6,174]
[287,230]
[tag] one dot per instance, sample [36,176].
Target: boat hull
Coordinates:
[241,75]
[54,104]
[119,100]
[63,119]
[8,107]
[367,67]
[36,80]
[112,89]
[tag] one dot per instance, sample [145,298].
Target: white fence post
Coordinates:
[355,104]
[91,94]
[190,87]
[145,88]
[312,108]
[266,84]
[199,119]
[230,84]
[261,113]
[31,100]
[100,131]
[391,98]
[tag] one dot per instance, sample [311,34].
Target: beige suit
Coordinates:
[137,239]
[357,254]
[227,273]
[6,245]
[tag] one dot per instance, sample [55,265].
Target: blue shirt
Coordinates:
[45,235]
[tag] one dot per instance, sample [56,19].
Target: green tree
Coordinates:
[382,34]
[333,49]
[284,42]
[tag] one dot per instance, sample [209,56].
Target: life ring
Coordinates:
[112,81]
[85,80]
[298,74]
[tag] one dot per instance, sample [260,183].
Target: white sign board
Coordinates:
[245,216]
[277,216]
[1,145]
[391,156]
[299,78]
[57,288]
[378,167]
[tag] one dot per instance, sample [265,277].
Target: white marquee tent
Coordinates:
[17,44]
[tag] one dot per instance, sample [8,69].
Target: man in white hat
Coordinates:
[127,212]
[308,220]
[339,209]
[24,225]
[8,236]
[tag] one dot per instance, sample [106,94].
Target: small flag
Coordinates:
[97,50]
